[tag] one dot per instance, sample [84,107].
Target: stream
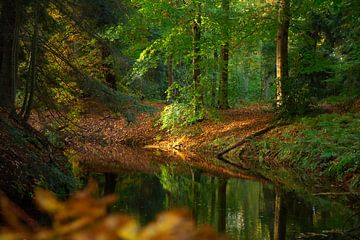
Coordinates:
[242,208]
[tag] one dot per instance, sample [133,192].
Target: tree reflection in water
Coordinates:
[243,209]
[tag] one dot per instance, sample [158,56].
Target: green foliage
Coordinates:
[54,138]
[182,111]
[328,143]
[59,182]
[178,115]
[324,55]
[297,99]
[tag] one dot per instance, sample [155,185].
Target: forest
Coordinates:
[179,119]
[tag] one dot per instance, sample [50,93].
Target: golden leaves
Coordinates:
[85,217]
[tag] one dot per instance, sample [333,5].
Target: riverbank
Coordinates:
[214,192]
[323,147]
[320,151]
[316,150]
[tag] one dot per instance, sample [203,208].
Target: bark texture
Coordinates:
[196,31]
[282,71]
[223,87]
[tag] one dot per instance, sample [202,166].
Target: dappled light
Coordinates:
[245,113]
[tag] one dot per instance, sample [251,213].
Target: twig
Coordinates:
[333,193]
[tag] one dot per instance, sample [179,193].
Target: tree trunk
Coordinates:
[196,60]
[282,71]
[246,78]
[170,78]
[28,100]
[214,85]
[223,87]
[265,88]
[9,31]
[265,74]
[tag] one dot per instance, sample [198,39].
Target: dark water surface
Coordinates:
[243,209]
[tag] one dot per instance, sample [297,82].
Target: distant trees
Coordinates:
[142,47]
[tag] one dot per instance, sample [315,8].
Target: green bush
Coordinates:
[178,115]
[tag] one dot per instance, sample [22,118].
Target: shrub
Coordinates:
[178,115]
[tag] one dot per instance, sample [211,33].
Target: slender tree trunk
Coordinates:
[268,68]
[214,85]
[170,77]
[263,74]
[196,31]
[282,71]
[266,86]
[32,67]
[223,87]
[9,31]
[246,80]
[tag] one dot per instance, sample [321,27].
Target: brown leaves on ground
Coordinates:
[213,136]
[107,143]
[84,217]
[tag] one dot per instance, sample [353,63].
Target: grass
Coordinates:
[327,143]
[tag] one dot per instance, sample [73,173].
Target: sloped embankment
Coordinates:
[327,145]
[28,160]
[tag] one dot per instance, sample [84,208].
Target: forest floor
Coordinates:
[105,142]
[212,136]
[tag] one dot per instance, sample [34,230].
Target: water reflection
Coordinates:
[242,208]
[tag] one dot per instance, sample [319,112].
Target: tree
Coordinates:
[282,71]
[196,34]
[9,38]
[31,73]
[223,87]
[267,68]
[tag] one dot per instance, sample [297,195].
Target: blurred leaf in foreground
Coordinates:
[85,217]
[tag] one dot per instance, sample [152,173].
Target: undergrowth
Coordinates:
[328,143]
[176,116]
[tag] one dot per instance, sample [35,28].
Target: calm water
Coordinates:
[243,209]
